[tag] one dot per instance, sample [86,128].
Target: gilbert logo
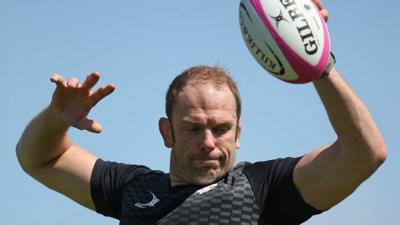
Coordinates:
[302,25]
[150,204]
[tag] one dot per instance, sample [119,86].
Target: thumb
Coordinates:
[89,125]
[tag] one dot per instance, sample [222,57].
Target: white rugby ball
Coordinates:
[288,38]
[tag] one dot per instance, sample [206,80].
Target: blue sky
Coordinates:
[141,45]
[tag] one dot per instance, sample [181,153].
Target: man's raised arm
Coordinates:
[326,176]
[45,150]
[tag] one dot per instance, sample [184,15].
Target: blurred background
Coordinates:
[140,46]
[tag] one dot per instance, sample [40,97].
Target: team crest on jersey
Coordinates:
[149,204]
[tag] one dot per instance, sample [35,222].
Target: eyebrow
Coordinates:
[190,121]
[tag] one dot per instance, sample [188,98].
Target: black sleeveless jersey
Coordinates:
[260,193]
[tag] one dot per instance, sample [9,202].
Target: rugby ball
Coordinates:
[288,38]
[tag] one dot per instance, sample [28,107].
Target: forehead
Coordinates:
[205,102]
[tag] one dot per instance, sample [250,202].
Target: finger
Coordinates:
[91,81]
[319,4]
[102,92]
[89,125]
[324,14]
[58,80]
[73,82]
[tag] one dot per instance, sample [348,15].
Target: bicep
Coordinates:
[70,175]
[324,177]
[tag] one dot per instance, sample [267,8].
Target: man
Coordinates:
[204,185]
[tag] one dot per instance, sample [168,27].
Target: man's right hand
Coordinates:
[45,150]
[75,100]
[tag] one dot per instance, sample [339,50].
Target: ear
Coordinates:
[164,126]
[238,131]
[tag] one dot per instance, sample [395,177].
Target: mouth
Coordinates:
[208,161]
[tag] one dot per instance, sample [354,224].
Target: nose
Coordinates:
[208,140]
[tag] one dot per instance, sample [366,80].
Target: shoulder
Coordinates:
[110,180]
[119,170]
[269,167]
[275,192]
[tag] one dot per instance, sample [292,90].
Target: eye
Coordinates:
[193,129]
[220,130]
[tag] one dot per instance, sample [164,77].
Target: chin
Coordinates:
[209,177]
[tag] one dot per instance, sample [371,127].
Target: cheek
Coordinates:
[228,148]
[228,143]
[185,148]
[231,156]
